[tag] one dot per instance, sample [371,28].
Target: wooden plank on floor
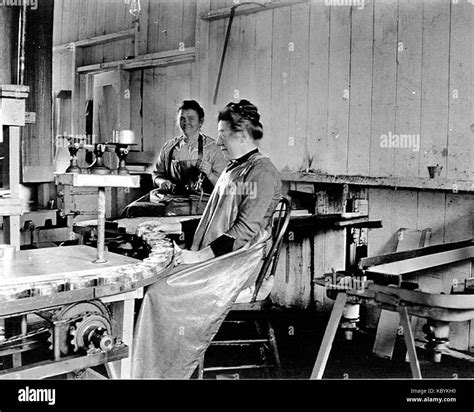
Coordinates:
[360,99]
[298,78]
[386,334]
[383,86]
[317,133]
[461,109]
[338,95]
[435,93]
[409,57]
[280,89]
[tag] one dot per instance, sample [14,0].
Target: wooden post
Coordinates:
[101,226]
[329,335]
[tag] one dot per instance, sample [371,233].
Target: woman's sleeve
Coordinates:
[217,160]
[159,170]
[262,192]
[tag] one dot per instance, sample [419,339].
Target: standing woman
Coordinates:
[189,156]
[183,310]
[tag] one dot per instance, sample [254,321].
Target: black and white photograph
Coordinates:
[236,204]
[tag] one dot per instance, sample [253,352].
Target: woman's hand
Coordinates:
[170,227]
[190,257]
[205,167]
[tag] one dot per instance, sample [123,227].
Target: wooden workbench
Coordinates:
[70,262]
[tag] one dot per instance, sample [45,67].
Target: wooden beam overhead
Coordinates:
[251,9]
[94,41]
[160,59]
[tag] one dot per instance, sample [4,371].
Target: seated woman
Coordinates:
[186,164]
[183,310]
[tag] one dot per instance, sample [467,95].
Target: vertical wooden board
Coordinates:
[338,99]
[435,93]
[409,55]
[178,89]
[120,24]
[216,44]
[150,113]
[90,30]
[165,26]
[459,217]
[101,20]
[360,99]
[57,21]
[65,21]
[136,107]
[188,36]
[109,48]
[175,25]
[380,207]
[280,89]
[383,86]
[317,134]
[229,85]
[461,90]
[431,214]
[153,26]
[298,91]
[246,59]
[262,93]
[404,210]
[320,299]
[80,13]
[202,57]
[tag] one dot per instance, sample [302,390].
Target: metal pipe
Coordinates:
[101,226]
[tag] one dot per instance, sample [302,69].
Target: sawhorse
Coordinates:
[331,329]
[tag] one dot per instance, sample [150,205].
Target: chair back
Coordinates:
[280,220]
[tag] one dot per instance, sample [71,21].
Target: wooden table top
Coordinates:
[55,263]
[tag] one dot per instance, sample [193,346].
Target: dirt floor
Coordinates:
[299,335]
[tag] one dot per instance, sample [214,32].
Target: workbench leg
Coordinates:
[329,335]
[124,312]
[410,343]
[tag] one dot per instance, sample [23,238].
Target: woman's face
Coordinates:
[229,141]
[189,122]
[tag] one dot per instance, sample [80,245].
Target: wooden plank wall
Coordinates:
[329,81]
[36,140]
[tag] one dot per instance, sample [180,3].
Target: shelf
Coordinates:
[451,185]
[91,180]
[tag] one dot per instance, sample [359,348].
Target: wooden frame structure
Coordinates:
[12,117]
